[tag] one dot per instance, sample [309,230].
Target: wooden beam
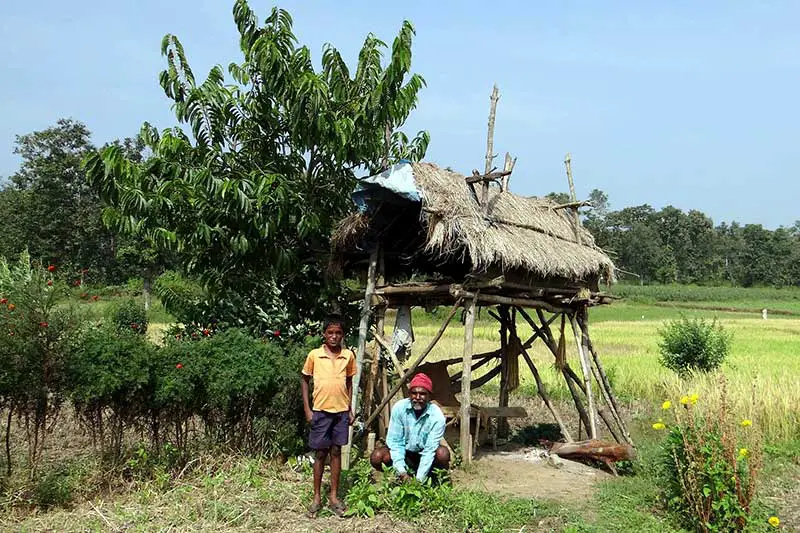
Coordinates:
[412,289]
[496,299]
[466,380]
[416,362]
[502,425]
[573,205]
[489,176]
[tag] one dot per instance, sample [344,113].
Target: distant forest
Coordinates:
[673,246]
[48,207]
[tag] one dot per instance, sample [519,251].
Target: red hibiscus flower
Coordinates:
[95,298]
[3,301]
[179,366]
[49,282]
[51,268]
[277,333]
[206,332]
[42,324]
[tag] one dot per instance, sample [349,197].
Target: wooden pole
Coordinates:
[496,299]
[466,381]
[575,219]
[402,381]
[587,379]
[363,327]
[490,145]
[508,166]
[545,397]
[372,377]
[602,379]
[502,423]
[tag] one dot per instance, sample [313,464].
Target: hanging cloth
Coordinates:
[403,335]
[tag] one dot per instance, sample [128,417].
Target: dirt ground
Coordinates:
[523,472]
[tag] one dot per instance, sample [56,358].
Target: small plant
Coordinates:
[693,345]
[131,316]
[710,463]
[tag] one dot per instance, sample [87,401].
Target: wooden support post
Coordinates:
[384,413]
[372,377]
[545,397]
[587,379]
[489,146]
[505,355]
[466,381]
[363,327]
[402,381]
[602,379]
[575,220]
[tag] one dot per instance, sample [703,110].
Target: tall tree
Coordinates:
[250,198]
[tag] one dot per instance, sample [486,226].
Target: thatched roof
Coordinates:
[517,233]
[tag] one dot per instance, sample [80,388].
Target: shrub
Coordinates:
[130,316]
[693,345]
[109,379]
[710,464]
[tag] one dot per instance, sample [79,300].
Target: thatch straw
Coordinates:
[517,232]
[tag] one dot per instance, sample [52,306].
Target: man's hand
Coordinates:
[351,418]
[405,478]
[309,415]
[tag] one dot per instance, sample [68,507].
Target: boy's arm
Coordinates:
[304,387]
[396,440]
[429,451]
[350,372]
[306,373]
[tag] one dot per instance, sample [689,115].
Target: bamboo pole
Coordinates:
[587,379]
[416,362]
[363,326]
[489,146]
[507,167]
[545,397]
[372,377]
[495,299]
[466,381]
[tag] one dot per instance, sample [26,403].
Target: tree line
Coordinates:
[670,245]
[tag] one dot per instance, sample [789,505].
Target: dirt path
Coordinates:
[519,473]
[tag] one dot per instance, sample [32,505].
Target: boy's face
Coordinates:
[333,335]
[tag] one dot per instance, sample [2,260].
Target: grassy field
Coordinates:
[761,372]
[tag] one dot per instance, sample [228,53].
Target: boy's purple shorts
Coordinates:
[328,429]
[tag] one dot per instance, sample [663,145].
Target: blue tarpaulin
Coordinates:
[397,182]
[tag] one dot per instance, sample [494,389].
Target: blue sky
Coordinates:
[693,104]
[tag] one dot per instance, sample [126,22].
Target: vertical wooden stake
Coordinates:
[490,146]
[507,167]
[363,328]
[380,315]
[575,220]
[466,380]
[587,380]
[505,353]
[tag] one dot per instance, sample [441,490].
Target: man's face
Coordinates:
[333,335]
[419,398]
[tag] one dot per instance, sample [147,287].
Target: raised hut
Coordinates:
[427,236]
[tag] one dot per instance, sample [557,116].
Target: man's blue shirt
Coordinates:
[409,433]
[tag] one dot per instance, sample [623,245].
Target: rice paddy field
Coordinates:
[760,377]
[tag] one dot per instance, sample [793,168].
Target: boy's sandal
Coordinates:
[313,509]
[338,509]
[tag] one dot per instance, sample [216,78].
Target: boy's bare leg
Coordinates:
[319,469]
[336,469]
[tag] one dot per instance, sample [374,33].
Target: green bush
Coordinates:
[693,345]
[110,384]
[131,316]
[710,464]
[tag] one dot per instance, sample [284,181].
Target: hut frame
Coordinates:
[521,258]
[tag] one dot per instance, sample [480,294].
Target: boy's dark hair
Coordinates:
[334,320]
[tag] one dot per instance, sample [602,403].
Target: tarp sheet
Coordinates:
[395,183]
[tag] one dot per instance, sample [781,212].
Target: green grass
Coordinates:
[787,299]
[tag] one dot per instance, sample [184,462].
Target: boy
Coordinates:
[332,368]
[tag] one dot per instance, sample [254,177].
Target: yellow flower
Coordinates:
[666,405]
[659,426]
[693,398]
[742,453]
[774,521]
[746,422]
[684,400]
